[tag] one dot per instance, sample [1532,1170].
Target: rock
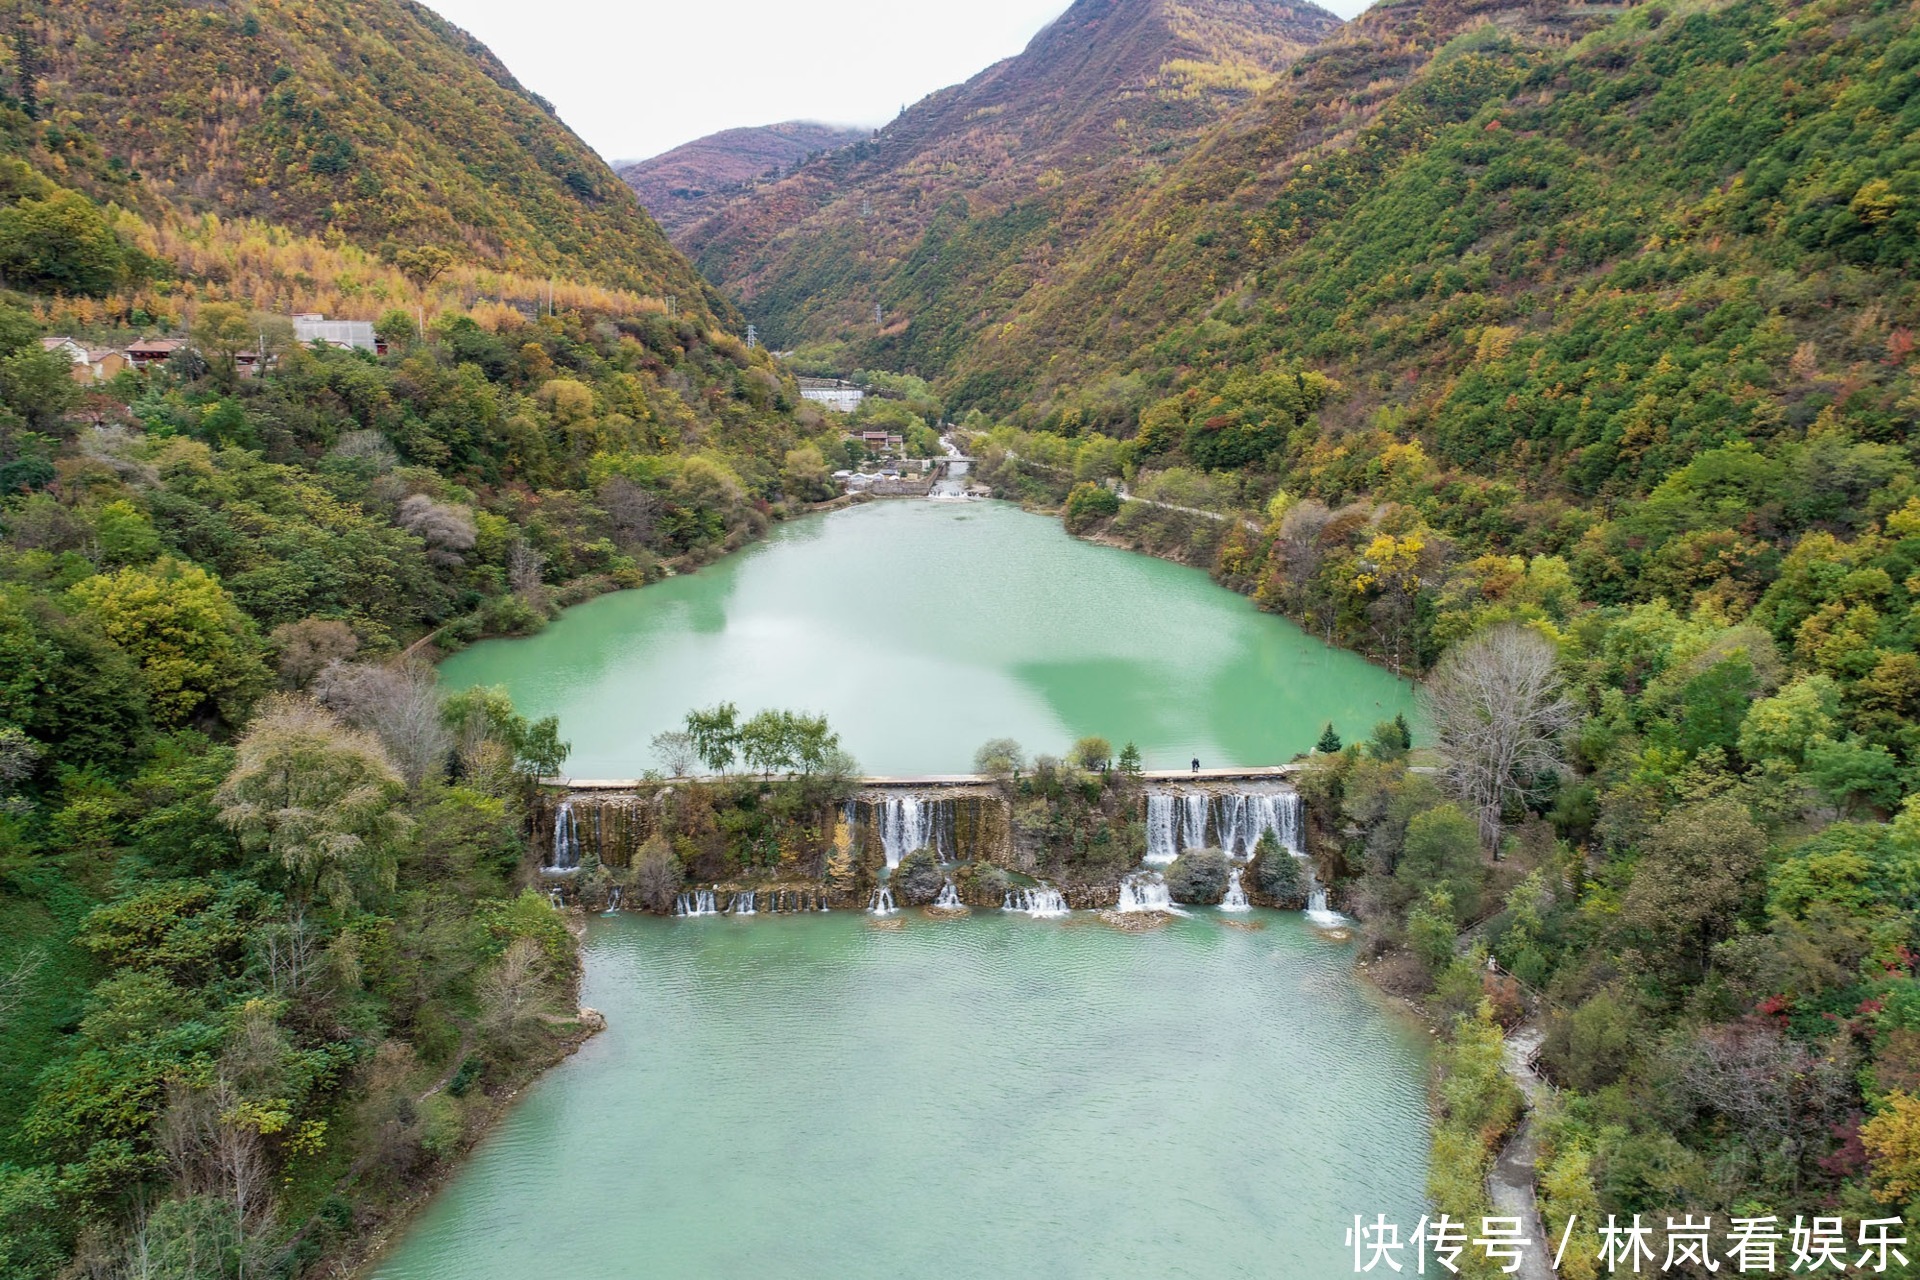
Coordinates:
[593,1020]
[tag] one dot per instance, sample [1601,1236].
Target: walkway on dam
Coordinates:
[935,781]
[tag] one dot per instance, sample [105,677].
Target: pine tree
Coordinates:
[1329,741]
[1130,760]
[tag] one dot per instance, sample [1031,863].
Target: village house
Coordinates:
[89,364]
[148,352]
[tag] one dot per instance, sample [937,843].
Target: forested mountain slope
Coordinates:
[681,186]
[1492,349]
[374,120]
[266,966]
[951,211]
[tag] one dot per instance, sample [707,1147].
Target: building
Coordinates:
[357,335]
[842,397]
[89,364]
[149,352]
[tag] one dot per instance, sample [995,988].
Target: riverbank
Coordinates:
[563,1038]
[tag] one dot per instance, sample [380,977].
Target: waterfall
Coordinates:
[881,903]
[1236,899]
[1163,846]
[555,900]
[742,904]
[698,903]
[1145,891]
[1241,820]
[949,899]
[566,840]
[909,824]
[1193,828]
[1042,902]
[1182,820]
[613,899]
[1317,909]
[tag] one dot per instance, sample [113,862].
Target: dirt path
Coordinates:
[1511,1181]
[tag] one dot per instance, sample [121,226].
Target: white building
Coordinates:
[357,334]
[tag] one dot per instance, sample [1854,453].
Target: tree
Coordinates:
[675,751]
[1091,753]
[716,735]
[1442,852]
[222,330]
[316,798]
[62,244]
[399,704]
[1698,872]
[1892,1140]
[1130,760]
[1498,716]
[805,476]
[194,646]
[307,647]
[1329,742]
[999,759]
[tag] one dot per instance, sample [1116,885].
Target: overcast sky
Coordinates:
[639,77]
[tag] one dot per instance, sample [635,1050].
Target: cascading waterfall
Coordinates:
[697,903]
[1317,910]
[949,899]
[881,903]
[566,839]
[1236,899]
[1162,844]
[613,899]
[1145,891]
[742,904]
[556,900]
[909,824]
[1178,821]
[1193,825]
[1042,902]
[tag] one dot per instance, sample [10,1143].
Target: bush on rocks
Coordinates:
[1198,876]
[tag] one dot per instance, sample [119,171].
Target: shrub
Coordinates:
[1088,503]
[1198,876]
[918,879]
[1277,873]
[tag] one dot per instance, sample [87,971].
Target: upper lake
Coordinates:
[923,629]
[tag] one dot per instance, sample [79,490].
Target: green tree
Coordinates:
[1329,741]
[317,799]
[194,646]
[716,734]
[1698,872]
[1442,853]
[61,244]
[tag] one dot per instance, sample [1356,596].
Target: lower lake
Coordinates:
[829,1096]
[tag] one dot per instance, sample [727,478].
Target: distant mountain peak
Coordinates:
[678,186]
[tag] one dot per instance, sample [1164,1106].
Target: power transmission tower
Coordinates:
[753,337]
[879,318]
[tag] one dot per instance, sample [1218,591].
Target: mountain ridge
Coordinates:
[679,186]
[1019,157]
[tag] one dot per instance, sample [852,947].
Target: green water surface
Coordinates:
[812,1096]
[923,629]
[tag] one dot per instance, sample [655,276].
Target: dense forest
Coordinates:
[1601,348]
[267,959]
[1558,350]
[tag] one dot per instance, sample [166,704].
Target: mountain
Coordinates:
[681,186]
[949,213]
[375,122]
